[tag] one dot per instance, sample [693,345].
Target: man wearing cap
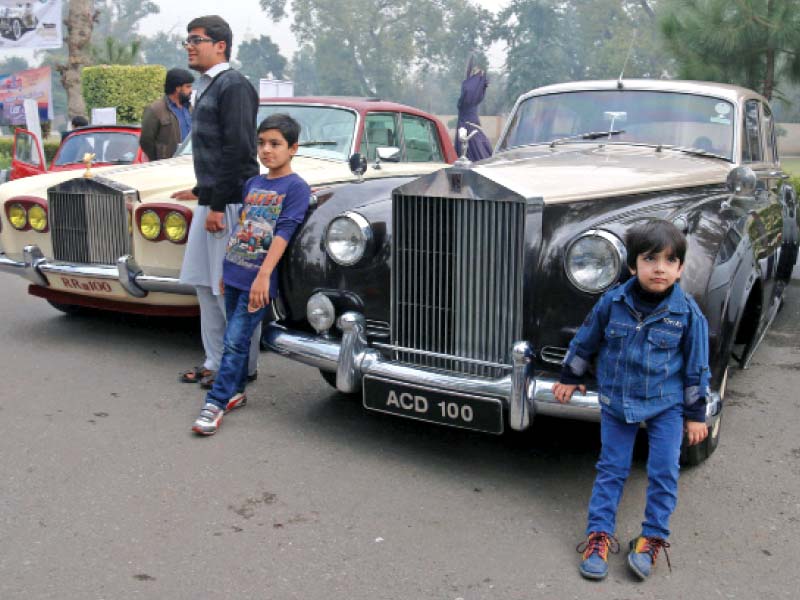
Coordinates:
[168,120]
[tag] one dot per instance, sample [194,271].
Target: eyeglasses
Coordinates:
[195,40]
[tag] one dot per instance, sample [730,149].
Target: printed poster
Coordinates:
[33,24]
[15,88]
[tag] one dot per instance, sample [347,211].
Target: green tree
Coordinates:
[113,52]
[119,19]
[754,43]
[164,49]
[12,64]
[260,58]
[303,72]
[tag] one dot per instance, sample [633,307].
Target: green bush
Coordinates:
[7,143]
[130,88]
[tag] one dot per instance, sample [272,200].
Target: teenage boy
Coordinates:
[274,206]
[651,341]
[224,155]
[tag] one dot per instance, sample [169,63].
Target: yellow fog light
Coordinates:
[150,225]
[18,216]
[175,227]
[37,217]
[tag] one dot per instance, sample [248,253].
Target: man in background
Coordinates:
[168,120]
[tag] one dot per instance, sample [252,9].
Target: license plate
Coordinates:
[479,413]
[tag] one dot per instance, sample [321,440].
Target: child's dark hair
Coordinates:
[289,128]
[653,236]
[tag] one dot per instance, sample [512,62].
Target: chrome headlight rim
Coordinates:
[619,253]
[165,227]
[146,213]
[20,206]
[365,230]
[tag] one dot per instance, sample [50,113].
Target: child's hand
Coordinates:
[259,292]
[221,285]
[696,432]
[563,391]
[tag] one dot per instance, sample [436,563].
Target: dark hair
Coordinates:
[176,78]
[79,121]
[216,28]
[289,128]
[654,236]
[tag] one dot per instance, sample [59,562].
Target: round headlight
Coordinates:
[18,216]
[37,217]
[175,227]
[347,237]
[150,225]
[594,261]
[320,312]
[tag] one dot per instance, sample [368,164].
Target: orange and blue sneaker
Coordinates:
[594,554]
[643,554]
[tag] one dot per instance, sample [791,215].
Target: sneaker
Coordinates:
[209,420]
[238,400]
[643,554]
[594,554]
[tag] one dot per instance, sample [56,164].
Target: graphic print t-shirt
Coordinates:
[271,207]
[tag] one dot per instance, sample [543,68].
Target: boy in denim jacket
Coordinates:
[651,344]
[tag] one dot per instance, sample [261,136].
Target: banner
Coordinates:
[33,84]
[34,24]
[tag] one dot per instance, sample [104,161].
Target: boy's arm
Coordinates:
[696,371]
[259,291]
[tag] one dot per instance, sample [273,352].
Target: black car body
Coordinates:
[452,298]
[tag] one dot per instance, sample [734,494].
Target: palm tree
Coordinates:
[115,53]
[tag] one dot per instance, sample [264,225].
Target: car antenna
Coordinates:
[627,57]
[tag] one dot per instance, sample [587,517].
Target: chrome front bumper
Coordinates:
[35,268]
[523,393]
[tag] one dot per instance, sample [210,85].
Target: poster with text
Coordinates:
[15,88]
[35,24]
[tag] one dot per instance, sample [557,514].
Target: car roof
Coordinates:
[85,128]
[355,103]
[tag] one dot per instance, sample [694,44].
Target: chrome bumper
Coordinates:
[35,268]
[524,394]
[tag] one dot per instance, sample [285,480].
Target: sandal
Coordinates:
[207,381]
[195,374]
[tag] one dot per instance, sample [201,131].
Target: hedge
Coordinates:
[50,147]
[130,88]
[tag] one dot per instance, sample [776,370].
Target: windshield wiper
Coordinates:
[591,135]
[318,143]
[692,151]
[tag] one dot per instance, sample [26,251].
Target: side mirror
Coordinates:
[358,165]
[388,153]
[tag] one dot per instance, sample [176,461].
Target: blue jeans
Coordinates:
[664,433]
[232,374]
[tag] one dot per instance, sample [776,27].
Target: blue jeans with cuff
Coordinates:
[665,434]
[232,375]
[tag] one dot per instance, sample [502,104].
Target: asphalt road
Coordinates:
[107,494]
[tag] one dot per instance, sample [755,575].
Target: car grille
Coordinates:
[456,282]
[89,221]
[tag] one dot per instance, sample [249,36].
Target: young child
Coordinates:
[651,344]
[273,208]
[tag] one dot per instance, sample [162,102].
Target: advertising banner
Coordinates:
[34,24]
[31,84]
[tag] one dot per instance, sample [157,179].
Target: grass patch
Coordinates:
[791,166]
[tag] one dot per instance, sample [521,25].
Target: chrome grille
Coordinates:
[89,223]
[457,282]
[553,354]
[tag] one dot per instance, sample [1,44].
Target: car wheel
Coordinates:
[16,29]
[694,455]
[68,309]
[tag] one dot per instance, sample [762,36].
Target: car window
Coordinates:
[421,140]
[769,133]
[107,146]
[751,144]
[325,131]
[641,116]
[26,149]
[380,131]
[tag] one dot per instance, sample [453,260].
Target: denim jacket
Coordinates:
[645,366]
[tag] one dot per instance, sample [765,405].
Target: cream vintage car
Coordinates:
[115,240]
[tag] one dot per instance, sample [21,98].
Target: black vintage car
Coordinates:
[452,298]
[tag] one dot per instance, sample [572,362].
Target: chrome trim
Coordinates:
[366,231]
[127,270]
[482,363]
[615,242]
[553,354]
[520,409]
[354,343]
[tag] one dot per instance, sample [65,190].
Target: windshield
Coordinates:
[641,117]
[325,131]
[107,146]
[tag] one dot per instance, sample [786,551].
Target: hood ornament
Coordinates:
[464,137]
[87,160]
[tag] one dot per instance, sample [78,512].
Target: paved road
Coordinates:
[106,493]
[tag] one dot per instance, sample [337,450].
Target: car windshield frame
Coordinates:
[312,130]
[82,139]
[685,121]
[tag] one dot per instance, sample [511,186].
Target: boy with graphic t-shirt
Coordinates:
[273,207]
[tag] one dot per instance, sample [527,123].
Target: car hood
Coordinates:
[568,173]
[159,179]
